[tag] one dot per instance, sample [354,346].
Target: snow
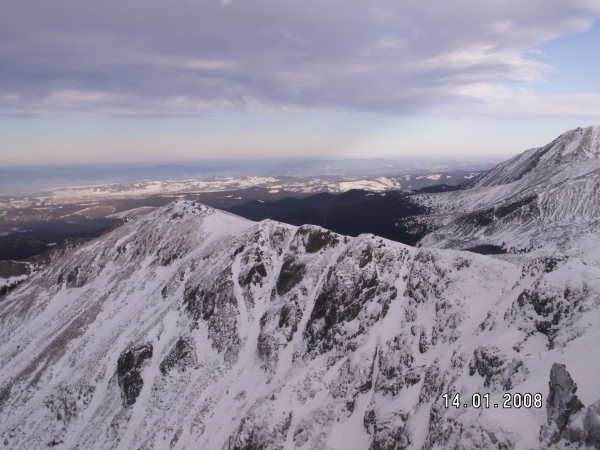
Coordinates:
[122,302]
[8,282]
[299,338]
[135,311]
[11,230]
[93,193]
[555,204]
[435,176]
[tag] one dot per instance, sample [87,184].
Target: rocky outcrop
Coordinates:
[388,430]
[488,362]
[356,293]
[395,358]
[432,383]
[129,369]
[262,428]
[181,357]
[591,426]
[558,303]
[292,273]
[515,373]
[216,305]
[448,431]
[562,405]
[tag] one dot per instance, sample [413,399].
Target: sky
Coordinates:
[84,82]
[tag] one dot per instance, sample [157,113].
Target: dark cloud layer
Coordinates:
[202,57]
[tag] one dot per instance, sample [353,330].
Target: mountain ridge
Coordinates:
[551,207]
[259,325]
[189,327]
[574,146]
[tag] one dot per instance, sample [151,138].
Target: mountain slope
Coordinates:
[580,145]
[193,328]
[547,198]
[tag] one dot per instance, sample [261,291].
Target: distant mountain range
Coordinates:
[16,181]
[189,327]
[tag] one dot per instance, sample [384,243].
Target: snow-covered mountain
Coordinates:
[546,198]
[191,328]
[581,145]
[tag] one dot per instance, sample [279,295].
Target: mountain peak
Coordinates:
[575,146]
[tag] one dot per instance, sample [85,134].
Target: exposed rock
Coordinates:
[261,428]
[73,278]
[432,383]
[449,432]
[413,376]
[268,350]
[558,303]
[68,401]
[561,405]
[219,308]
[6,288]
[355,377]
[350,296]
[591,426]
[289,317]
[427,282]
[515,373]
[254,276]
[313,429]
[426,278]
[388,431]
[181,357]
[394,357]
[423,343]
[488,324]
[290,275]
[319,239]
[129,368]
[488,362]
[277,328]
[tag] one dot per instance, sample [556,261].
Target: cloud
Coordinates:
[202,57]
[504,101]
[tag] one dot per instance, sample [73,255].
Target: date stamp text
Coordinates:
[509,401]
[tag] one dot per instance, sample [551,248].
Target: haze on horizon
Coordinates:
[155,82]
